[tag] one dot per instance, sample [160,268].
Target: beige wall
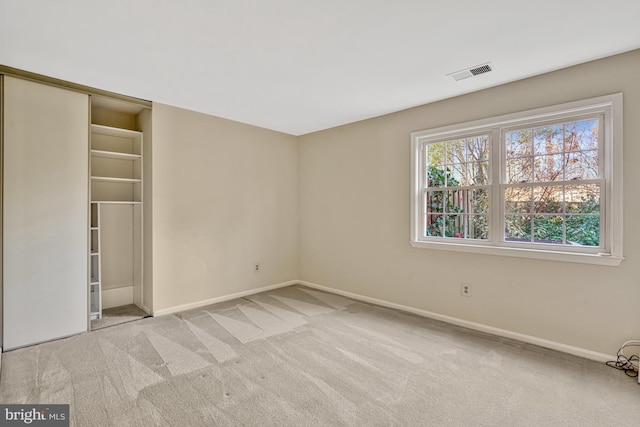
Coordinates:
[224,197]
[354,200]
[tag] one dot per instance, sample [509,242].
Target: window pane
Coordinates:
[434,225]
[549,168]
[457,213]
[435,154]
[478,227]
[583,230]
[435,176]
[583,199]
[581,135]
[435,201]
[518,199]
[455,202]
[478,148]
[547,199]
[441,177]
[453,226]
[478,201]
[518,228]
[460,162]
[560,152]
[519,170]
[456,174]
[519,143]
[478,173]
[548,140]
[582,165]
[456,151]
[461,226]
[464,201]
[548,229]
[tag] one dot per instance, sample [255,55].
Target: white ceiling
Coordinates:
[299,66]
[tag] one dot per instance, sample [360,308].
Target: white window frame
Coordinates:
[611,158]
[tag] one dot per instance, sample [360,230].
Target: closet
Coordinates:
[116,206]
[73,206]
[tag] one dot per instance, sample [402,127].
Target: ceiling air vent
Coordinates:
[470,72]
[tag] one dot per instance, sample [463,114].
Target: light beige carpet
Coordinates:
[300,357]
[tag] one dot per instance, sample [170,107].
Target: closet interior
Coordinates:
[116,231]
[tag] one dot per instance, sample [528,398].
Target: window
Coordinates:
[544,183]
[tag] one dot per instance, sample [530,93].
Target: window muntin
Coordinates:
[553,185]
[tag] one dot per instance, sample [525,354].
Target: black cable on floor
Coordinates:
[628,364]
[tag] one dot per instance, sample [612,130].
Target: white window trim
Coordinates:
[609,105]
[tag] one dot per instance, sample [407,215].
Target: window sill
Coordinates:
[581,258]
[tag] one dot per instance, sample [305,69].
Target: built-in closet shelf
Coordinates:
[115,155]
[116,191]
[115,202]
[111,131]
[93,228]
[118,180]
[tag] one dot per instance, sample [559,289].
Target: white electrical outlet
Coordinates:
[256,267]
[465,289]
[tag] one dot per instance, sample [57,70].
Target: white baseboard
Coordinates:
[202,303]
[117,297]
[565,348]
[576,351]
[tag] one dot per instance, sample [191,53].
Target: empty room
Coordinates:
[337,213]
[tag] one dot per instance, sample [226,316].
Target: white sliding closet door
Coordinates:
[46,131]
